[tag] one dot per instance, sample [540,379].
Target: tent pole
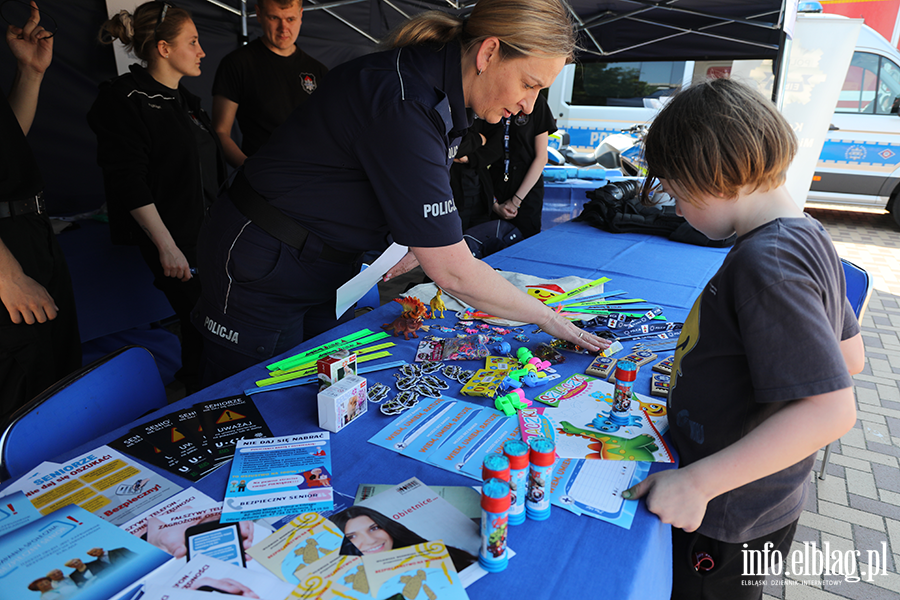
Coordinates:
[779,66]
[245,37]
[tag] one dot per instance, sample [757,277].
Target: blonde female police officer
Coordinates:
[385,127]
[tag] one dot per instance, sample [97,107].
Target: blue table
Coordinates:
[565,556]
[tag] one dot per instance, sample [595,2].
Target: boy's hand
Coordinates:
[673,496]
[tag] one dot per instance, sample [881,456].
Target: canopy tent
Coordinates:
[335,31]
[620,30]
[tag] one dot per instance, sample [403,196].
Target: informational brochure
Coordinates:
[421,571]
[102,481]
[16,511]
[207,574]
[466,500]
[300,543]
[226,421]
[192,459]
[581,425]
[422,511]
[186,499]
[75,555]
[279,476]
[448,433]
[593,488]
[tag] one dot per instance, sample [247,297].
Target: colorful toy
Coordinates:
[540,365]
[511,402]
[495,500]
[659,385]
[665,365]
[524,355]
[541,457]
[483,383]
[620,414]
[517,453]
[601,367]
[410,320]
[437,304]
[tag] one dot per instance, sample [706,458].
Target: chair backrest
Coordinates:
[859,287]
[100,397]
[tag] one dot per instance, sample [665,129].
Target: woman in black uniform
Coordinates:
[386,127]
[162,163]
[517,174]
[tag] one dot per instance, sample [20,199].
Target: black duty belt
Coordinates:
[15,208]
[277,224]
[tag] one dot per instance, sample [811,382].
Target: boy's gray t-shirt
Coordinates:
[765,330]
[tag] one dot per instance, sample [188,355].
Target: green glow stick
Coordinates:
[328,346]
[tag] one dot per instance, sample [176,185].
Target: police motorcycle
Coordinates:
[616,151]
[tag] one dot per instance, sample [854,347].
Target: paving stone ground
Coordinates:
[855,510]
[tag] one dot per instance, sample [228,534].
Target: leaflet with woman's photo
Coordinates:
[417,515]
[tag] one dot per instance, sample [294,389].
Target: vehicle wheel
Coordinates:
[894,206]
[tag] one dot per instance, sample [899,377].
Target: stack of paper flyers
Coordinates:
[102,481]
[448,433]
[300,543]
[208,574]
[578,423]
[73,554]
[279,476]
[419,572]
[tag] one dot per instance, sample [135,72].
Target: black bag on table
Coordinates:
[490,237]
[617,208]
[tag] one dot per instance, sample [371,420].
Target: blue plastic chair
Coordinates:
[102,396]
[859,290]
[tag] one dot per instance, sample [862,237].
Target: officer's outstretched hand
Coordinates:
[26,300]
[404,265]
[673,496]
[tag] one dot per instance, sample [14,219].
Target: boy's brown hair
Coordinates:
[718,137]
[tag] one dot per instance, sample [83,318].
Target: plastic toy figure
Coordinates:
[437,304]
[410,320]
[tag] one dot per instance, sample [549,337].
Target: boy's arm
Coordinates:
[680,496]
[854,353]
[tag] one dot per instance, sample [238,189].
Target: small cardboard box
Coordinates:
[343,402]
[335,367]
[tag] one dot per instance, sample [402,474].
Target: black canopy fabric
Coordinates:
[622,30]
[335,31]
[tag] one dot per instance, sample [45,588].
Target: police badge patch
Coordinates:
[309,82]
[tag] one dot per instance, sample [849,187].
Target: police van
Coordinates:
[860,161]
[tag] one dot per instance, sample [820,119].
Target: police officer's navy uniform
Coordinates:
[367,156]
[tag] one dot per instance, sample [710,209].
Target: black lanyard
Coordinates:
[506,149]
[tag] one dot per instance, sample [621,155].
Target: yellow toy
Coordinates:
[437,304]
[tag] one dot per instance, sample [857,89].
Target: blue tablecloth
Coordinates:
[565,556]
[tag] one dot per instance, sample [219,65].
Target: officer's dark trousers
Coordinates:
[260,297]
